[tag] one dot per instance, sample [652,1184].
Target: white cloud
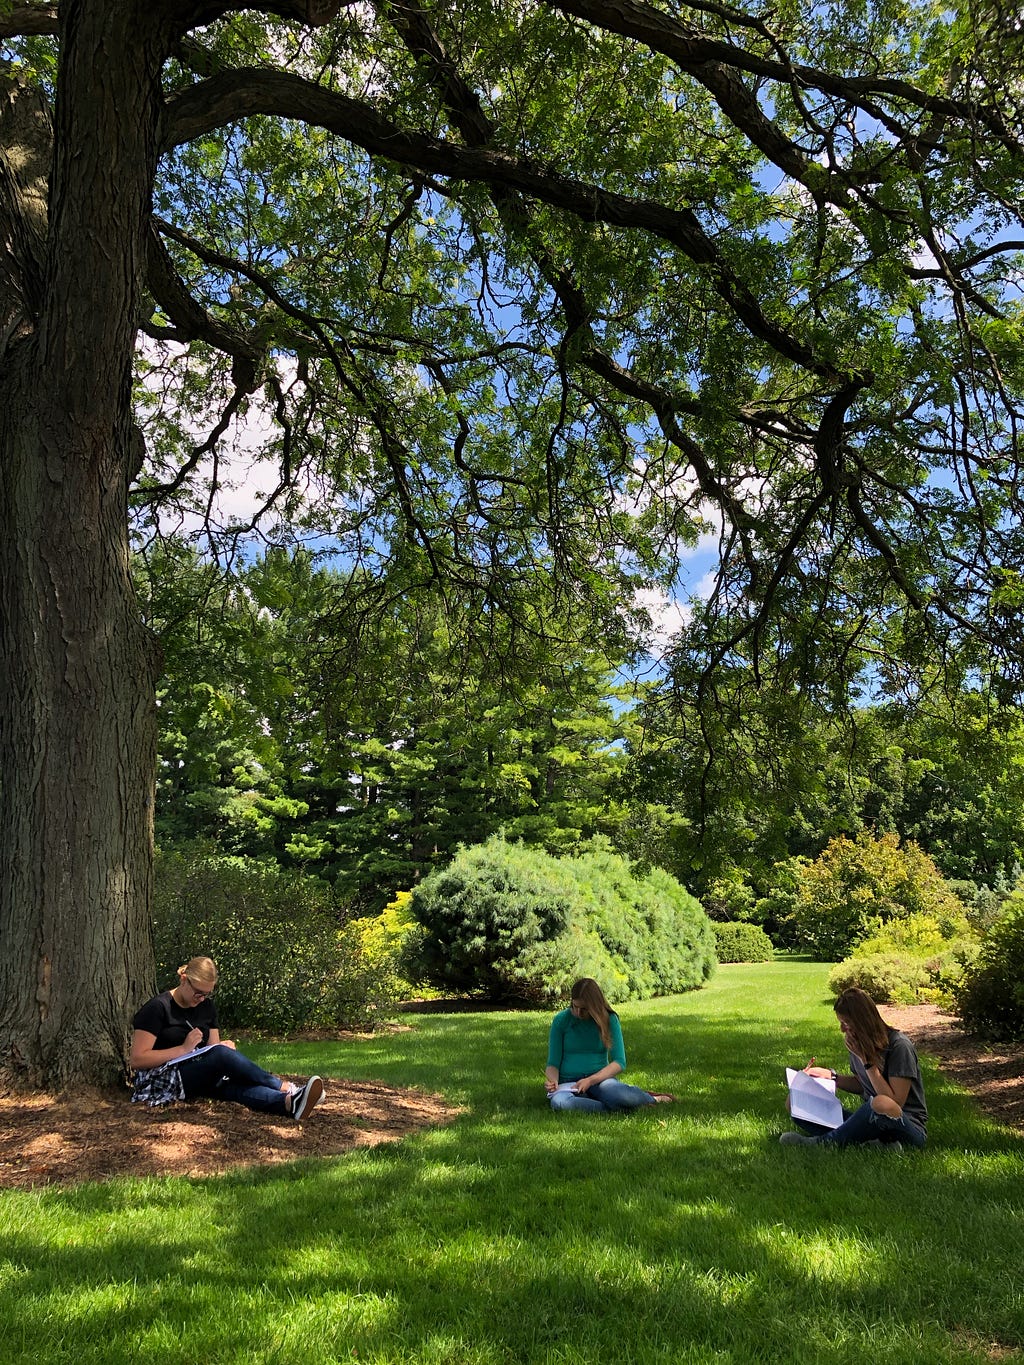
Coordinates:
[668,617]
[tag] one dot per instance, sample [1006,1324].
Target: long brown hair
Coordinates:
[589,997]
[861,1013]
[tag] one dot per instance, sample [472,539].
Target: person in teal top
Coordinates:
[586,1055]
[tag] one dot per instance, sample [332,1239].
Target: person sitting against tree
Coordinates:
[885,1073]
[586,1054]
[177,1054]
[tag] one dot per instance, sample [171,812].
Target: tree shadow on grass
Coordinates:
[518,1235]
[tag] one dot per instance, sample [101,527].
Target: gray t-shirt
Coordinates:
[898,1059]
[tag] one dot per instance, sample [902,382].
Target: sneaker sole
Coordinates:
[309,1097]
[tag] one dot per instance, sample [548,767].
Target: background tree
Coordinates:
[497,306]
[366,749]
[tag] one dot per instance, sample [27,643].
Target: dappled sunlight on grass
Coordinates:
[680,1233]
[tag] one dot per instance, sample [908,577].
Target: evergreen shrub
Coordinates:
[990,999]
[740,942]
[509,921]
[482,912]
[284,961]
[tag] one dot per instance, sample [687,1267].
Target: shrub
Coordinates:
[857,881]
[284,961]
[889,978]
[390,944]
[914,959]
[742,943]
[510,921]
[482,912]
[990,999]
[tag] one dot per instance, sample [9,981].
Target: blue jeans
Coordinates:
[864,1125]
[224,1074]
[605,1097]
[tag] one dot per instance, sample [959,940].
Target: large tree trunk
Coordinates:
[77,671]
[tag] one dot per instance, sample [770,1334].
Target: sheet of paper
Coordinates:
[813,1098]
[194,1053]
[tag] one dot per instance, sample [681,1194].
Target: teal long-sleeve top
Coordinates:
[575,1046]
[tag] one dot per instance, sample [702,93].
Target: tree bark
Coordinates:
[77,669]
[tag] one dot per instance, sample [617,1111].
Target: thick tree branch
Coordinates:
[192,322]
[27,20]
[230,96]
[691,50]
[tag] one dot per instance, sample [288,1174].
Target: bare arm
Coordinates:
[144,1056]
[897,1088]
[605,1074]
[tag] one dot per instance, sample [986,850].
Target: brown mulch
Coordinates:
[993,1072]
[53,1141]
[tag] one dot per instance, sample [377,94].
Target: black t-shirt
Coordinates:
[171,1023]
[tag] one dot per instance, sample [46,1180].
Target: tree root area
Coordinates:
[55,1141]
[46,1140]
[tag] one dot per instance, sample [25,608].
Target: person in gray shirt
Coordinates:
[885,1073]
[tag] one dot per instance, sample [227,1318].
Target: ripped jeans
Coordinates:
[864,1125]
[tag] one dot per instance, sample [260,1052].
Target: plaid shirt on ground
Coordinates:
[157,1086]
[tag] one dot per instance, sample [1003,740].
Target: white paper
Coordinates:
[813,1098]
[194,1053]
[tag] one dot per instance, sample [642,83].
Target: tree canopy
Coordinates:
[516,300]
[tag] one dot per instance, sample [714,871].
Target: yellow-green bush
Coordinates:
[740,942]
[912,961]
[389,943]
[857,883]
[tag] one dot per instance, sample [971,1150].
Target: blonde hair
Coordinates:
[202,969]
[589,996]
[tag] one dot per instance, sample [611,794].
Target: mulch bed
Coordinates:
[46,1140]
[54,1141]
[993,1072]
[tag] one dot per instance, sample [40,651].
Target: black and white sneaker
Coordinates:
[307,1098]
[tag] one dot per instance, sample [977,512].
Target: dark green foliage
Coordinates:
[510,921]
[742,943]
[990,1000]
[483,911]
[284,962]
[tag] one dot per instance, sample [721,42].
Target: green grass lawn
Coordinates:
[681,1233]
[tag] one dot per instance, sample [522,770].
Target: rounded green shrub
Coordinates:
[284,960]
[889,978]
[990,999]
[741,942]
[514,922]
[482,912]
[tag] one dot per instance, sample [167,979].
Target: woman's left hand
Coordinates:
[584,1085]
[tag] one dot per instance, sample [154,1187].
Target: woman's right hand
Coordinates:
[193,1039]
[823,1071]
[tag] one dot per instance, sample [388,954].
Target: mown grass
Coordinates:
[682,1233]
